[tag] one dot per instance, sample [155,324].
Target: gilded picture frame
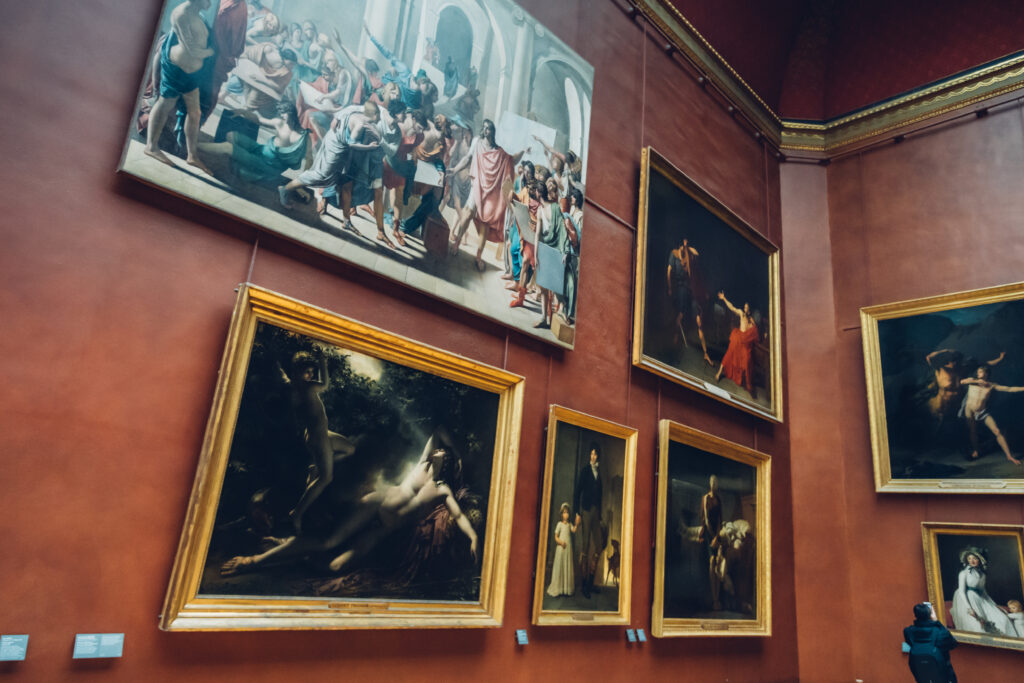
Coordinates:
[991,587]
[707,304]
[708,580]
[588,581]
[244,562]
[936,427]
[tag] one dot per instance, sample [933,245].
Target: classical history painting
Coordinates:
[976,581]
[945,379]
[349,478]
[439,143]
[706,312]
[585,546]
[712,566]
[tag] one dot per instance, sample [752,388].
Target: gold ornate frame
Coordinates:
[869,319]
[541,616]
[761,625]
[929,534]
[184,610]
[653,162]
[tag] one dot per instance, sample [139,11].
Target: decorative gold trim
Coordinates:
[869,318]
[761,625]
[688,40]
[542,617]
[933,574]
[941,98]
[652,161]
[848,130]
[184,610]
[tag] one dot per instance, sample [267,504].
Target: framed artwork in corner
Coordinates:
[349,478]
[585,546]
[706,297]
[975,576]
[442,145]
[945,384]
[712,558]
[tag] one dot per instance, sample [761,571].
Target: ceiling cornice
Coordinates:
[972,88]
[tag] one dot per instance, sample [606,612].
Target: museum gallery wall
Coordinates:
[126,294]
[896,218]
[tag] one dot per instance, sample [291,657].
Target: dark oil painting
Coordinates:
[351,476]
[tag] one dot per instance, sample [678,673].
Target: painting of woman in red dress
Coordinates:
[738,361]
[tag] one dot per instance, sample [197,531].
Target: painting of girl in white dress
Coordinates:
[562,580]
[586,526]
[973,608]
[976,575]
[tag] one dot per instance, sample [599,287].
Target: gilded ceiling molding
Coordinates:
[849,131]
[688,41]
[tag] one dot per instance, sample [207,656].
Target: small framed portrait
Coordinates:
[976,581]
[585,546]
[706,297]
[349,478]
[945,382]
[712,561]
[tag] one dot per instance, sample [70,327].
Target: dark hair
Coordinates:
[289,55]
[396,107]
[371,66]
[922,610]
[575,193]
[595,448]
[431,93]
[529,165]
[418,116]
[286,109]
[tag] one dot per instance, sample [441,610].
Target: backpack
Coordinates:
[927,661]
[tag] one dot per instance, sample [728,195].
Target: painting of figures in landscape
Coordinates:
[585,550]
[946,391]
[335,472]
[439,143]
[711,562]
[976,581]
[706,312]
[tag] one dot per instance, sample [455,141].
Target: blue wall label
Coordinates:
[98,645]
[13,648]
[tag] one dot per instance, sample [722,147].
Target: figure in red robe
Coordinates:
[738,361]
[492,167]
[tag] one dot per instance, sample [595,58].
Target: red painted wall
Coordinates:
[115,300]
[939,213]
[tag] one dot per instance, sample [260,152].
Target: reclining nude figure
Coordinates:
[420,491]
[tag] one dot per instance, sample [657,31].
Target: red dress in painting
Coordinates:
[490,169]
[738,362]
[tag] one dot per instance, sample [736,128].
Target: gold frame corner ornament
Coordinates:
[185,610]
[663,627]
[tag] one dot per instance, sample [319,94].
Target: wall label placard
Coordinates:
[98,645]
[13,648]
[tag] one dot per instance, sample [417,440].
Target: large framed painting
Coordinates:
[975,576]
[945,383]
[440,143]
[585,546]
[706,309]
[349,478]
[712,556]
